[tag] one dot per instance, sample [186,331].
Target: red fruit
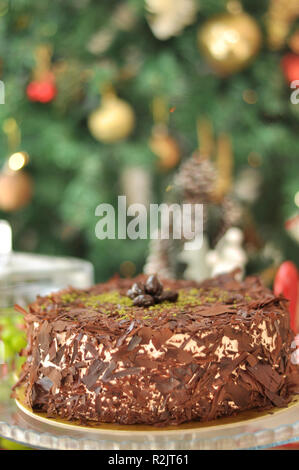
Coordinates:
[41,91]
[286,283]
[290,67]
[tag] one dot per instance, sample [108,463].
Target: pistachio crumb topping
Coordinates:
[112,303]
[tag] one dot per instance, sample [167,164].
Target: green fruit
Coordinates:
[10,445]
[8,352]
[18,342]
[17,320]
[8,333]
[5,321]
[19,362]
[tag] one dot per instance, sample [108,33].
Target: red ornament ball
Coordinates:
[286,283]
[42,91]
[290,67]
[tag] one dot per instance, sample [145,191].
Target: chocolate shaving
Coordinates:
[75,350]
[135,341]
[91,349]
[108,372]
[59,355]
[60,325]
[55,377]
[44,337]
[167,387]
[126,372]
[94,371]
[216,310]
[45,383]
[123,337]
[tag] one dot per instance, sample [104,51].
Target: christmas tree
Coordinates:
[105,95]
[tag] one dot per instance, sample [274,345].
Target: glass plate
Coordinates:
[247,430]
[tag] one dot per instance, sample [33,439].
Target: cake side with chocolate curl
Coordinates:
[210,349]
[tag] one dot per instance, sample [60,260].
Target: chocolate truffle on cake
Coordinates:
[158,352]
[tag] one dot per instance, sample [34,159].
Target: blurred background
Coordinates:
[155,100]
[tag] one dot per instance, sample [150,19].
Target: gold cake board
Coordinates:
[220,423]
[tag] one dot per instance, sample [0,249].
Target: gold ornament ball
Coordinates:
[16,190]
[229,42]
[112,121]
[166,148]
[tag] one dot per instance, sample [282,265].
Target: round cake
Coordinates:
[158,352]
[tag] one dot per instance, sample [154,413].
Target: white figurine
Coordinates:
[228,254]
[195,258]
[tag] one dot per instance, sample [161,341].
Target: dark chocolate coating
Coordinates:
[223,347]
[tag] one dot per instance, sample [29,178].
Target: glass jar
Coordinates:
[24,277]
[27,275]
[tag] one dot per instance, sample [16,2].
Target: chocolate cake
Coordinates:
[142,351]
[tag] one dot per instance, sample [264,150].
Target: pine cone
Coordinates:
[196,179]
